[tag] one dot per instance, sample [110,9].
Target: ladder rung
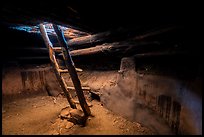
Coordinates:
[83,88]
[57,49]
[79,70]
[63,70]
[66,70]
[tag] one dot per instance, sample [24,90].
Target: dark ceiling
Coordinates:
[97,16]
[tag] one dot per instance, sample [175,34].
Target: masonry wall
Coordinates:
[164,104]
[167,105]
[19,80]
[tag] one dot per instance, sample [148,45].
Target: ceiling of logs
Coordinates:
[124,19]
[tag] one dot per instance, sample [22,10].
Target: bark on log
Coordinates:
[90,40]
[72,33]
[80,44]
[110,36]
[120,47]
[72,71]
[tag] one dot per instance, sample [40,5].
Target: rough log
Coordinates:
[72,33]
[110,36]
[122,47]
[81,42]
[72,71]
[92,40]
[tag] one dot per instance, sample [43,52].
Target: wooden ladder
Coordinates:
[69,68]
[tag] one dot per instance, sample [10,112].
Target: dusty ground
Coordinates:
[38,114]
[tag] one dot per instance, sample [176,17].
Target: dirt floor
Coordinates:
[39,114]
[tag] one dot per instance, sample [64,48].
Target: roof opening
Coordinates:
[68,32]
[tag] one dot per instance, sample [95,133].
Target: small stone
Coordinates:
[55,132]
[142,130]
[69,125]
[76,113]
[89,104]
[34,106]
[54,100]
[138,125]
[58,120]
[115,121]
[65,112]
[63,123]
[77,117]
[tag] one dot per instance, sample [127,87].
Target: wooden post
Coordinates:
[55,66]
[72,71]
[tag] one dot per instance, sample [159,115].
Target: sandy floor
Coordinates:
[38,114]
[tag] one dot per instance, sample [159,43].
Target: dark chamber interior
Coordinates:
[152,74]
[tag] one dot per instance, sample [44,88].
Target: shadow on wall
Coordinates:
[161,103]
[35,79]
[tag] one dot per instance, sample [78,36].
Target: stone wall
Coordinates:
[17,80]
[164,104]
